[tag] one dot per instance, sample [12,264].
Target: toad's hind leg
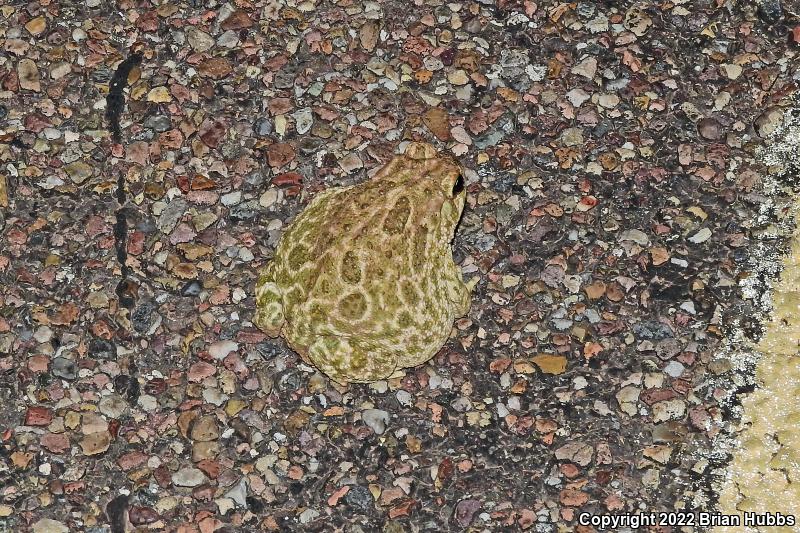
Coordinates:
[269,303]
[348,360]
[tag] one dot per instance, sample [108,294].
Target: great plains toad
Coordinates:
[363,281]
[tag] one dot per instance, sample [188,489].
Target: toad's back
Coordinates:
[365,274]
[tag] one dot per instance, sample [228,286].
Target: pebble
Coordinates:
[458,77]
[144,316]
[232,198]
[709,129]
[64,368]
[158,123]
[668,410]
[368,35]
[93,423]
[635,235]
[238,20]
[215,396]
[218,350]
[575,451]
[3,196]
[28,75]
[95,443]
[701,236]
[188,476]
[769,121]
[586,68]
[48,525]
[229,39]
[552,364]
[238,493]
[263,127]
[225,505]
[192,288]
[598,24]
[308,515]
[55,442]
[38,416]
[205,429]
[360,498]
[461,135]
[770,10]
[215,68]
[113,406]
[377,419]
[674,369]
[199,371]
[304,120]
[403,397]
[169,217]
[102,349]
[159,95]
[637,21]
[78,172]
[465,511]
[350,162]
[608,100]
[36,26]
[732,71]
[182,233]
[578,96]
[204,220]
[141,516]
[572,137]
[43,334]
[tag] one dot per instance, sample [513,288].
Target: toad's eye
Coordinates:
[458,186]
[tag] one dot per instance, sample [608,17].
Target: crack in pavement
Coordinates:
[115,104]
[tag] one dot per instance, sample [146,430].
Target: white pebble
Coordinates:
[375,419]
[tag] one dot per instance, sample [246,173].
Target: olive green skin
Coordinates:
[363,281]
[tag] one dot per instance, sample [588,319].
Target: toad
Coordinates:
[363,282]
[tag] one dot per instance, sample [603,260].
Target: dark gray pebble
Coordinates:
[142,317]
[192,288]
[64,368]
[360,498]
[102,349]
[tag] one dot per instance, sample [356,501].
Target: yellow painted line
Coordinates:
[763,480]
